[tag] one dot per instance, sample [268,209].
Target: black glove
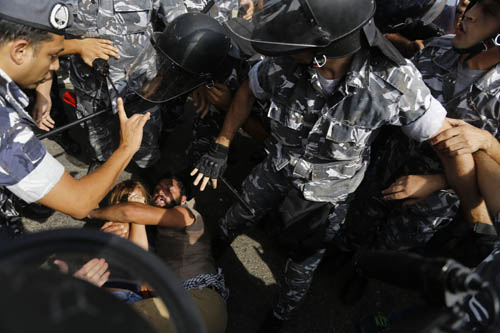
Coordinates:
[213,164]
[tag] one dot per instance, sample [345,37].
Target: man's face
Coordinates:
[39,61]
[167,193]
[480,22]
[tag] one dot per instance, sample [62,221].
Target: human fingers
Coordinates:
[445,145]
[444,135]
[193,172]
[111,51]
[214,183]
[121,110]
[62,265]
[455,122]
[396,196]
[197,179]
[103,279]
[95,268]
[204,183]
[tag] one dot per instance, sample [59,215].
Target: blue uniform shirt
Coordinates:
[26,168]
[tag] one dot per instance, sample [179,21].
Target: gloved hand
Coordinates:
[211,166]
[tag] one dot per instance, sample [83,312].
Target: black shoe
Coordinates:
[271,324]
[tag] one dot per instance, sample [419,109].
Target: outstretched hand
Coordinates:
[414,188]
[131,128]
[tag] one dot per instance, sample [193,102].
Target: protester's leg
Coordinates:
[461,175]
[212,307]
[488,175]
[262,190]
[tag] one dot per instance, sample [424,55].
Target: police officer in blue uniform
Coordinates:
[31,38]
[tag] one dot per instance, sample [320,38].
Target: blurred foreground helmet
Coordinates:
[38,297]
[328,28]
[187,54]
[333,27]
[392,15]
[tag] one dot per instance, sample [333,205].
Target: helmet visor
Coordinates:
[288,24]
[156,78]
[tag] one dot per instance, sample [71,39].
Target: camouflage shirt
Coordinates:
[127,23]
[222,10]
[322,140]
[479,104]
[26,168]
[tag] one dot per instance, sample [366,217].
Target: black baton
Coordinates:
[237,196]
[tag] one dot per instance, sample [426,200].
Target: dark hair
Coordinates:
[10,31]
[182,189]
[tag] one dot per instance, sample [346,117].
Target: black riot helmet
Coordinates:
[328,28]
[393,15]
[490,42]
[332,27]
[187,54]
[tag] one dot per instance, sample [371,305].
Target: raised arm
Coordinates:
[134,212]
[77,197]
[212,164]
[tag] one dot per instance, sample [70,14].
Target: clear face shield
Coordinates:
[285,25]
[157,79]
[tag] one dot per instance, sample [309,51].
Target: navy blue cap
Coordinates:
[48,15]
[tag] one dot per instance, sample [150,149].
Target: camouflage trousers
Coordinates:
[104,130]
[10,222]
[263,190]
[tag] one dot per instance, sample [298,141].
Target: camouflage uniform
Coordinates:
[222,10]
[320,143]
[129,25]
[26,168]
[400,227]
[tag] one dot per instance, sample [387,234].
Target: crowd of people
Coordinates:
[379,122]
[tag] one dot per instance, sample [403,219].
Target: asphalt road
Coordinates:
[255,263]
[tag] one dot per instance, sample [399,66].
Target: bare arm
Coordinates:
[238,113]
[138,235]
[463,138]
[134,212]
[77,197]
[461,176]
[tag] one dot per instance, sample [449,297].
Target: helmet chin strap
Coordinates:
[319,61]
[483,46]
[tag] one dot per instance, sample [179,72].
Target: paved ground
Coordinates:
[254,264]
